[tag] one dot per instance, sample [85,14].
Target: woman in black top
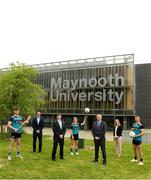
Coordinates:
[117,135]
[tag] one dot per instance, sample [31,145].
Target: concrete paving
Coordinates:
[88,135]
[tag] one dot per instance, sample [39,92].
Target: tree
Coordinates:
[18,90]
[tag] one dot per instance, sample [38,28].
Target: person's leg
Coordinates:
[72,146]
[61,144]
[40,141]
[10,146]
[140,152]
[96,151]
[55,144]
[34,141]
[119,145]
[18,143]
[76,147]
[116,146]
[135,153]
[102,144]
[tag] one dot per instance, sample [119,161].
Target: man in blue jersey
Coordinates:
[138,129]
[15,132]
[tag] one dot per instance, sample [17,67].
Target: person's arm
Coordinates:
[85,118]
[43,123]
[54,128]
[142,132]
[33,124]
[9,125]
[93,129]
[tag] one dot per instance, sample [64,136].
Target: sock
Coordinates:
[135,157]
[9,154]
[76,149]
[70,149]
[141,159]
[18,153]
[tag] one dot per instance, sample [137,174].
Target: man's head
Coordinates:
[38,113]
[58,117]
[98,117]
[16,111]
[137,118]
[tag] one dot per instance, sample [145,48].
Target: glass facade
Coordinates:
[106,85]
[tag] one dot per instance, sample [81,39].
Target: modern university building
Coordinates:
[109,85]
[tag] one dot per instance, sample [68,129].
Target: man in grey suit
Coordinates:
[98,131]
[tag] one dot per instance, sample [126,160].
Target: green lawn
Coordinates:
[35,165]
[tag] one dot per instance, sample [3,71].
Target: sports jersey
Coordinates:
[75,128]
[16,122]
[137,130]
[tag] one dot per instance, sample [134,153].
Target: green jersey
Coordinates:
[16,123]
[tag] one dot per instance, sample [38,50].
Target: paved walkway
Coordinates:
[83,134]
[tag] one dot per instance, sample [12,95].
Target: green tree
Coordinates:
[18,90]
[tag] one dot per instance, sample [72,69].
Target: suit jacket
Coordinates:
[57,130]
[99,131]
[37,126]
[119,131]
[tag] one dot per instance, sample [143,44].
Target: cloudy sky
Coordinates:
[38,31]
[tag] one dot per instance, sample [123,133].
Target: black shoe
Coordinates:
[34,151]
[104,163]
[95,160]
[62,158]
[53,159]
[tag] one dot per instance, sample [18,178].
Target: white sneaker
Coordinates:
[140,163]
[9,158]
[71,153]
[77,153]
[19,156]
[134,160]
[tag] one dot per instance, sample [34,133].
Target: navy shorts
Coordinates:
[15,135]
[136,142]
[75,137]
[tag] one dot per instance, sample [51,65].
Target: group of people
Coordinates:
[99,129]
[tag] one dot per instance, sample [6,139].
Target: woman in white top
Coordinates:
[117,135]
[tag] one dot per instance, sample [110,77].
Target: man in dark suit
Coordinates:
[98,130]
[59,131]
[38,125]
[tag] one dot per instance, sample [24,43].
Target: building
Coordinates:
[104,84]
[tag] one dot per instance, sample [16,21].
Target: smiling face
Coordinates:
[38,114]
[98,117]
[16,111]
[75,120]
[137,119]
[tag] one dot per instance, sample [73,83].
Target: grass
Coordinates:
[39,165]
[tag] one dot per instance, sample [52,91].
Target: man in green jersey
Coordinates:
[14,124]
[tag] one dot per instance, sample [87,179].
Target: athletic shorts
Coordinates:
[75,137]
[136,142]
[15,135]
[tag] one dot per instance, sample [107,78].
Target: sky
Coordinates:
[43,31]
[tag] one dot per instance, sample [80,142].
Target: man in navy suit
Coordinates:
[38,125]
[59,131]
[98,130]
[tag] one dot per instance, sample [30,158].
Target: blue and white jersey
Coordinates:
[75,128]
[137,127]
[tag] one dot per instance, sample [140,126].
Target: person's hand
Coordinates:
[61,136]
[15,130]
[37,131]
[97,138]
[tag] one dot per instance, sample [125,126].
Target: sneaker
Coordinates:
[77,153]
[118,155]
[19,156]
[140,163]
[71,153]
[9,158]
[134,160]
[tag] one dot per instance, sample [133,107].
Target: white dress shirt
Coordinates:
[60,123]
[38,120]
